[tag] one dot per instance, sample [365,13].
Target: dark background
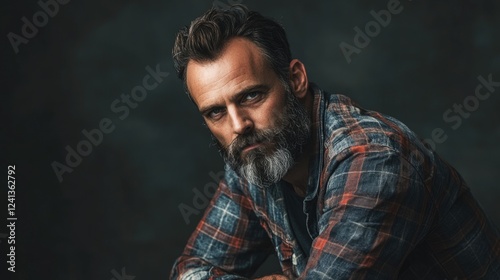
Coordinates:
[119,208]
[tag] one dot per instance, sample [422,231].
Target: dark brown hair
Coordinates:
[205,38]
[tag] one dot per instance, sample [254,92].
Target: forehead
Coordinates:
[241,64]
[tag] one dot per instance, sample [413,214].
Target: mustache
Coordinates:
[245,140]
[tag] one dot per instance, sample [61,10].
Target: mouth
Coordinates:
[251,147]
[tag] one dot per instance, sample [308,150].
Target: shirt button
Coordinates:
[294,259]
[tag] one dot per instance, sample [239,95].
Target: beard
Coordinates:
[280,146]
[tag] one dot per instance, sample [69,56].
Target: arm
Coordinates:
[376,209]
[228,242]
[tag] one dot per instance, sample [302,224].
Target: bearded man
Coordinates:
[334,190]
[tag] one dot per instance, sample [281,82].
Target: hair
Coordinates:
[207,35]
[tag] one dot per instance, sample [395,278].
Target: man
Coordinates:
[336,191]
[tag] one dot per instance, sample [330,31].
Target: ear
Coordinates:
[298,78]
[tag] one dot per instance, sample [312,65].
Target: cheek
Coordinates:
[270,116]
[219,135]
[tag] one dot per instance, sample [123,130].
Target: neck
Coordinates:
[298,175]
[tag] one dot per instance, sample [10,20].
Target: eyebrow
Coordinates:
[204,110]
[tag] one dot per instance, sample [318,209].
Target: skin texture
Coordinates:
[224,83]
[239,92]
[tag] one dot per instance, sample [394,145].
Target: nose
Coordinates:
[241,122]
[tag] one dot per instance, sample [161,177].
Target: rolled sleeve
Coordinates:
[228,243]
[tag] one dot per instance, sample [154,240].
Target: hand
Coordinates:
[273,277]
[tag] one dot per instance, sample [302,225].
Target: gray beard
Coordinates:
[263,166]
[267,169]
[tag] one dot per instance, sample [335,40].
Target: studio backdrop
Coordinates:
[112,164]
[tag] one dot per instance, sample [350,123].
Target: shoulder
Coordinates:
[231,181]
[347,125]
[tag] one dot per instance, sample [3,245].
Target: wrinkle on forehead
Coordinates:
[241,63]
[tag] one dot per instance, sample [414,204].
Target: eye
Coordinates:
[215,113]
[251,96]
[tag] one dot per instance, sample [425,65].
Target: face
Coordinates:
[257,122]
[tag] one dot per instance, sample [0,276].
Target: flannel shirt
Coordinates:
[387,207]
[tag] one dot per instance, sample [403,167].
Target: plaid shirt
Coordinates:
[387,207]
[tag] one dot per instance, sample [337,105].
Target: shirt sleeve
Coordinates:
[228,243]
[376,209]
